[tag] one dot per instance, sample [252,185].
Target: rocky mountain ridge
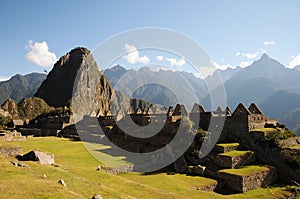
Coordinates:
[262,82]
[19,86]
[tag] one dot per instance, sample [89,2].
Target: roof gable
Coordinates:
[198,109]
[228,111]
[219,109]
[241,110]
[150,111]
[180,110]
[253,108]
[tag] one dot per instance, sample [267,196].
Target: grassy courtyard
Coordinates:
[77,167]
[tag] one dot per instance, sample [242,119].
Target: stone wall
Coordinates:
[242,160]
[257,121]
[223,149]
[31,131]
[239,124]
[234,161]
[246,183]
[10,151]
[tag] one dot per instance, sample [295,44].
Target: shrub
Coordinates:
[4,121]
[279,135]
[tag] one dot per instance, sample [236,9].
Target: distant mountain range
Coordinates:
[20,86]
[275,88]
[160,87]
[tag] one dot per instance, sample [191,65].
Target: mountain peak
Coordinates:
[80,50]
[57,89]
[265,56]
[266,60]
[116,68]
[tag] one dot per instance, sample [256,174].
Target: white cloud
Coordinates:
[294,62]
[206,71]
[39,54]
[159,58]
[175,62]
[2,78]
[263,51]
[244,64]
[225,66]
[269,43]
[251,55]
[133,55]
[248,55]
[221,67]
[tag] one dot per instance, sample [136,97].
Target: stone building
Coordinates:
[17,123]
[241,120]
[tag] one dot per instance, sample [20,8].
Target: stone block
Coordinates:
[248,178]
[226,147]
[234,159]
[10,151]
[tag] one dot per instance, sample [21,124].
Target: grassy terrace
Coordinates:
[228,145]
[78,169]
[246,171]
[295,147]
[264,129]
[235,153]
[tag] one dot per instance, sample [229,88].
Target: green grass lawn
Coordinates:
[265,129]
[77,168]
[246,171]
[235,153]
[228,145]
[295,147]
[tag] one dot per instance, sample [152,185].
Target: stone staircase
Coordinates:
[235,169]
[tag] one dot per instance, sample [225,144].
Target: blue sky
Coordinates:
[232,32]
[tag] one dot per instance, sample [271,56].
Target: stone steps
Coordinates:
[225,156]
[235,169]
[248,178]
[234,159]
[225,147]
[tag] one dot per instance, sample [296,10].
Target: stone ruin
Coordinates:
[217,164]
[242,119]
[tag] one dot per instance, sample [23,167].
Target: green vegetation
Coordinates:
[228,145]
[4,121]
[279,135]
[77,168]
[267,130]
[266,193]
[177,183]
[246,171]
[295,147]
[32,107]
[29,108]
[235,153]
[275,135]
